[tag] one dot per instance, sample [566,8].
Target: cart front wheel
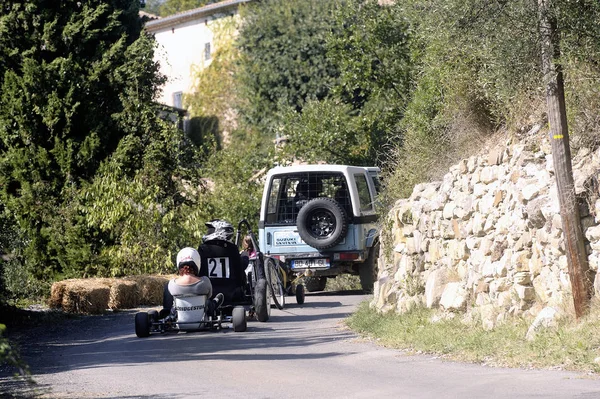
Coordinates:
[300,295]
[238,318]
[142,324]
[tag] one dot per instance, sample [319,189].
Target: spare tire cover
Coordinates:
[322,223]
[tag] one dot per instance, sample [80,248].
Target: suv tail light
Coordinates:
[346,256]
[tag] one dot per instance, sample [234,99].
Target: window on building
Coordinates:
[207,51]
[178,99]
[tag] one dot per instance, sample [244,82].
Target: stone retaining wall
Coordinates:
[487,239]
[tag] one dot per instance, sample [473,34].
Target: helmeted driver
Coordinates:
[189,283]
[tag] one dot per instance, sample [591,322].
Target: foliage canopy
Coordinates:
[283,59]
[80,136]
[92,181]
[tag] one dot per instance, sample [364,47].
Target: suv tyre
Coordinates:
[367,271]
[322,223]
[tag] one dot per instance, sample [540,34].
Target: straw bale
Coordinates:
[150,288]
[56,294]
[104,281]
[89,296]
[124,294]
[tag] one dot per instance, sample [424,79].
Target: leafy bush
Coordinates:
[9,355]
[283,59]
[236,176]
[324,131]
[369,45]
[65,108]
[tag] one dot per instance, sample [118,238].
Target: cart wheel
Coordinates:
[300,294]
[275,282]
[238,318]
[142,324]
[261,301]
[153,315]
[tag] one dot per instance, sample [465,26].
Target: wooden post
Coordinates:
[561,154]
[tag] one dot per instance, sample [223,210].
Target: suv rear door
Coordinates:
[287,191]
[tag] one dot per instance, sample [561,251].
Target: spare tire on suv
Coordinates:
[322,223]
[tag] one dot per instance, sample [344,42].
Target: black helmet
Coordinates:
[218,229]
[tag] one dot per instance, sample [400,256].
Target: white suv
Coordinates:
[320,220]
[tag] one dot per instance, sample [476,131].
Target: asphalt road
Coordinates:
[301,352]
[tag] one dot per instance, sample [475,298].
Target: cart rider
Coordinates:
[188,282]
[218,242]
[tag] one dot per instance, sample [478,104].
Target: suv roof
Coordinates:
[320,168]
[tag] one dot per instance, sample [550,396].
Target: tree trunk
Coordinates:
[561,154]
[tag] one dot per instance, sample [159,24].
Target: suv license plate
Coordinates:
[319,263]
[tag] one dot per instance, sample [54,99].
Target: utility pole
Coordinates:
[561,154]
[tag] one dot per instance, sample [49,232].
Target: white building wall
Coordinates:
[180,51]
[181,40]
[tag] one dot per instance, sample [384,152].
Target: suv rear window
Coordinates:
[288,193]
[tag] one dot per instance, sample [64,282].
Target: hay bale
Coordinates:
[85,296]
[95,295]
[150,288]
[104,281]
[56,294]
[60,288]
[124,294]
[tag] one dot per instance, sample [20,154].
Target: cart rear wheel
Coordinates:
[153,316]
[300,294]
[238,318]
[142,324]
[262,303]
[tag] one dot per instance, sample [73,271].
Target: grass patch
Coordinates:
[570,346]
[343,282]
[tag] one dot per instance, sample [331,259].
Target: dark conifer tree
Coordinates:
[77,84]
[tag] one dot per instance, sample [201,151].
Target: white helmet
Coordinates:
[190,257]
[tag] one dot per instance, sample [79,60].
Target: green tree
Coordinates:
[325,130]
[77,88]
[170,7]
[369,45]
[283,59]
[233,156]
[153,6]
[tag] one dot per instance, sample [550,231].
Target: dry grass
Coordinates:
[343,282]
